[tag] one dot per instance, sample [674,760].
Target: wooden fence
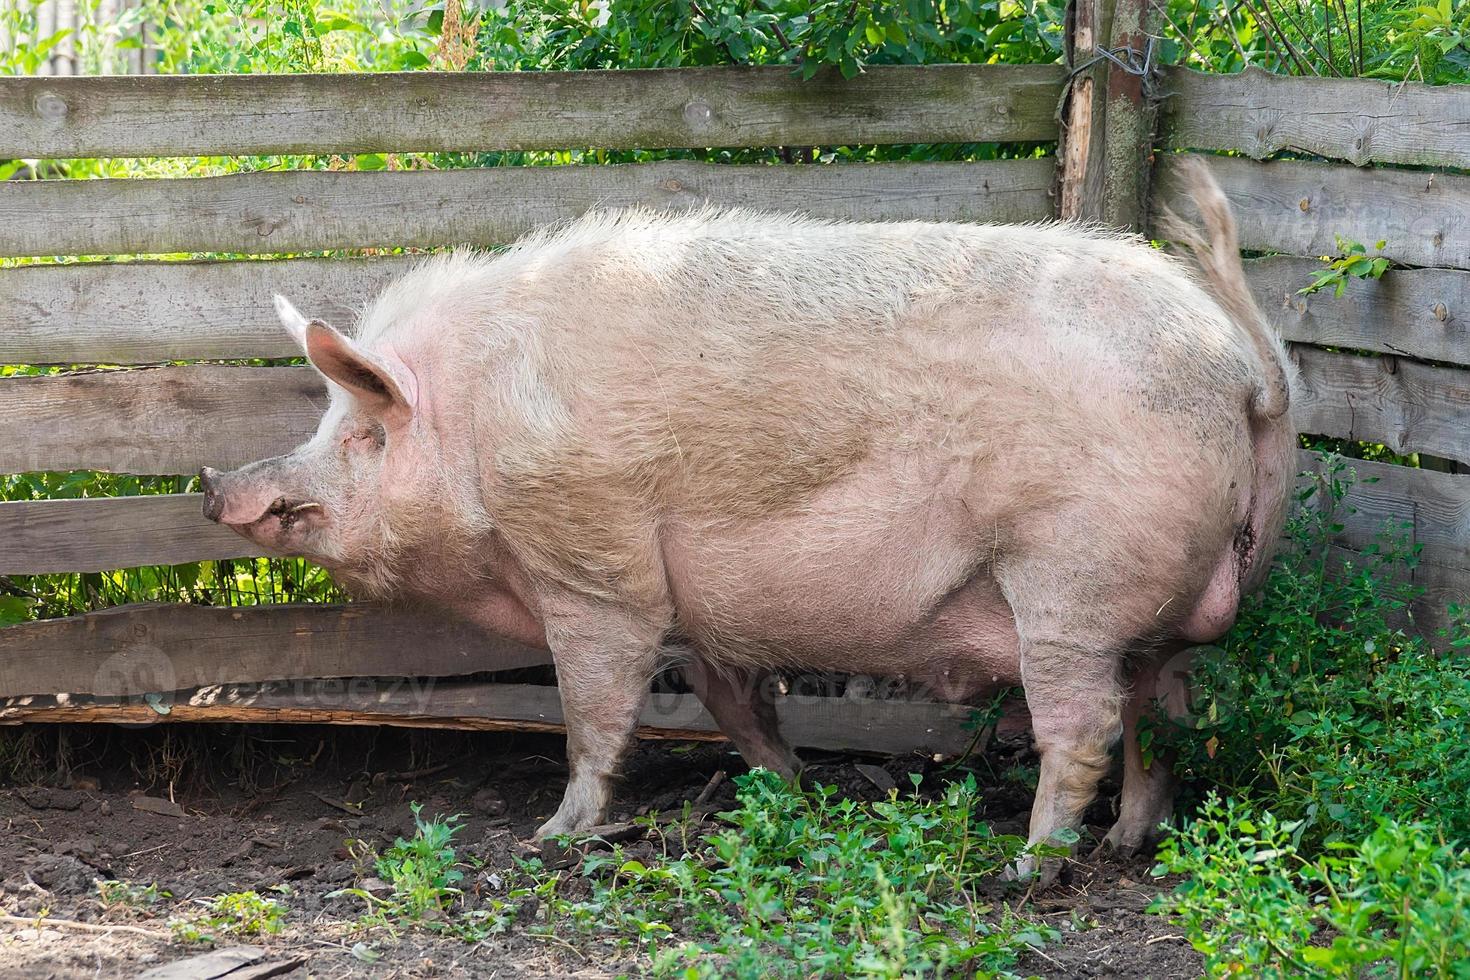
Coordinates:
[1389,362]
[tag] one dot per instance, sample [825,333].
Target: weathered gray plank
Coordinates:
[168,420]
[97,534]
[832,724]
[1355,119]
[308,210]
[1443,586]
[1298,207]
[363,113]
[131,650]
[1406,405]
[1435,506]
[213,965]
[140,312]
[1423,313]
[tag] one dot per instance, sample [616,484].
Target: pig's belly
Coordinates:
[899,592]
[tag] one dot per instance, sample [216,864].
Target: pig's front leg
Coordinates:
[605,661]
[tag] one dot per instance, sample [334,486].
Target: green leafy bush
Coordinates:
[1320,704]
[1402,40]
[1396,903]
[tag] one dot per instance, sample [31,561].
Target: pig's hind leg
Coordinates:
[741,701]
[1161,680]
[605,661]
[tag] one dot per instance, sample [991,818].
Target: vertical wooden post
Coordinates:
[1108,122]
[1129,133]
[1082,120]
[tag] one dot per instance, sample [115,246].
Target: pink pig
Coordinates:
[973,456]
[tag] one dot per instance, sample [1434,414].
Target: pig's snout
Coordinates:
[214,498]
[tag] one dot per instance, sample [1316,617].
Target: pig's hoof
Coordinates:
[557,826]
[1040,873]
[1129,840]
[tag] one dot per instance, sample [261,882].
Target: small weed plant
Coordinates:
[117,896]
[424,875]
[232,915]
[1351,262]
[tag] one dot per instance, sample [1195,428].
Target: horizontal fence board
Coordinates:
[98,534]
[1443,587]
[1408,406]
[166,420]
[221,115]
[141,312]
[132,650]
[826,723]
[1355,119]
[1423,313]
[298,211]
[1428,509]
[1299,207]
[1435,506]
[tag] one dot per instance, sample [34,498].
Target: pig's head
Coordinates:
[354,495]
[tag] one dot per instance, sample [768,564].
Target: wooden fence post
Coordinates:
[1108,119]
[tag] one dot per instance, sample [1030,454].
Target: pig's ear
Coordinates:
[291,319]
[383,386]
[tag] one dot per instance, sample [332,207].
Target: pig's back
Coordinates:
[747,359]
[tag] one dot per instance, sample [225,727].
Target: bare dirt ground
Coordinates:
[282,819]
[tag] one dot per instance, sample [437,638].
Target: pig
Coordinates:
[973,456]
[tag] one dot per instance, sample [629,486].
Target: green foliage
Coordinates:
[1396,903]
[798,884]
[424,875]
[807,884]
[115,895]
[1400,40]
[1352,261]
[557,34]
[1319,704]
[235,914]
